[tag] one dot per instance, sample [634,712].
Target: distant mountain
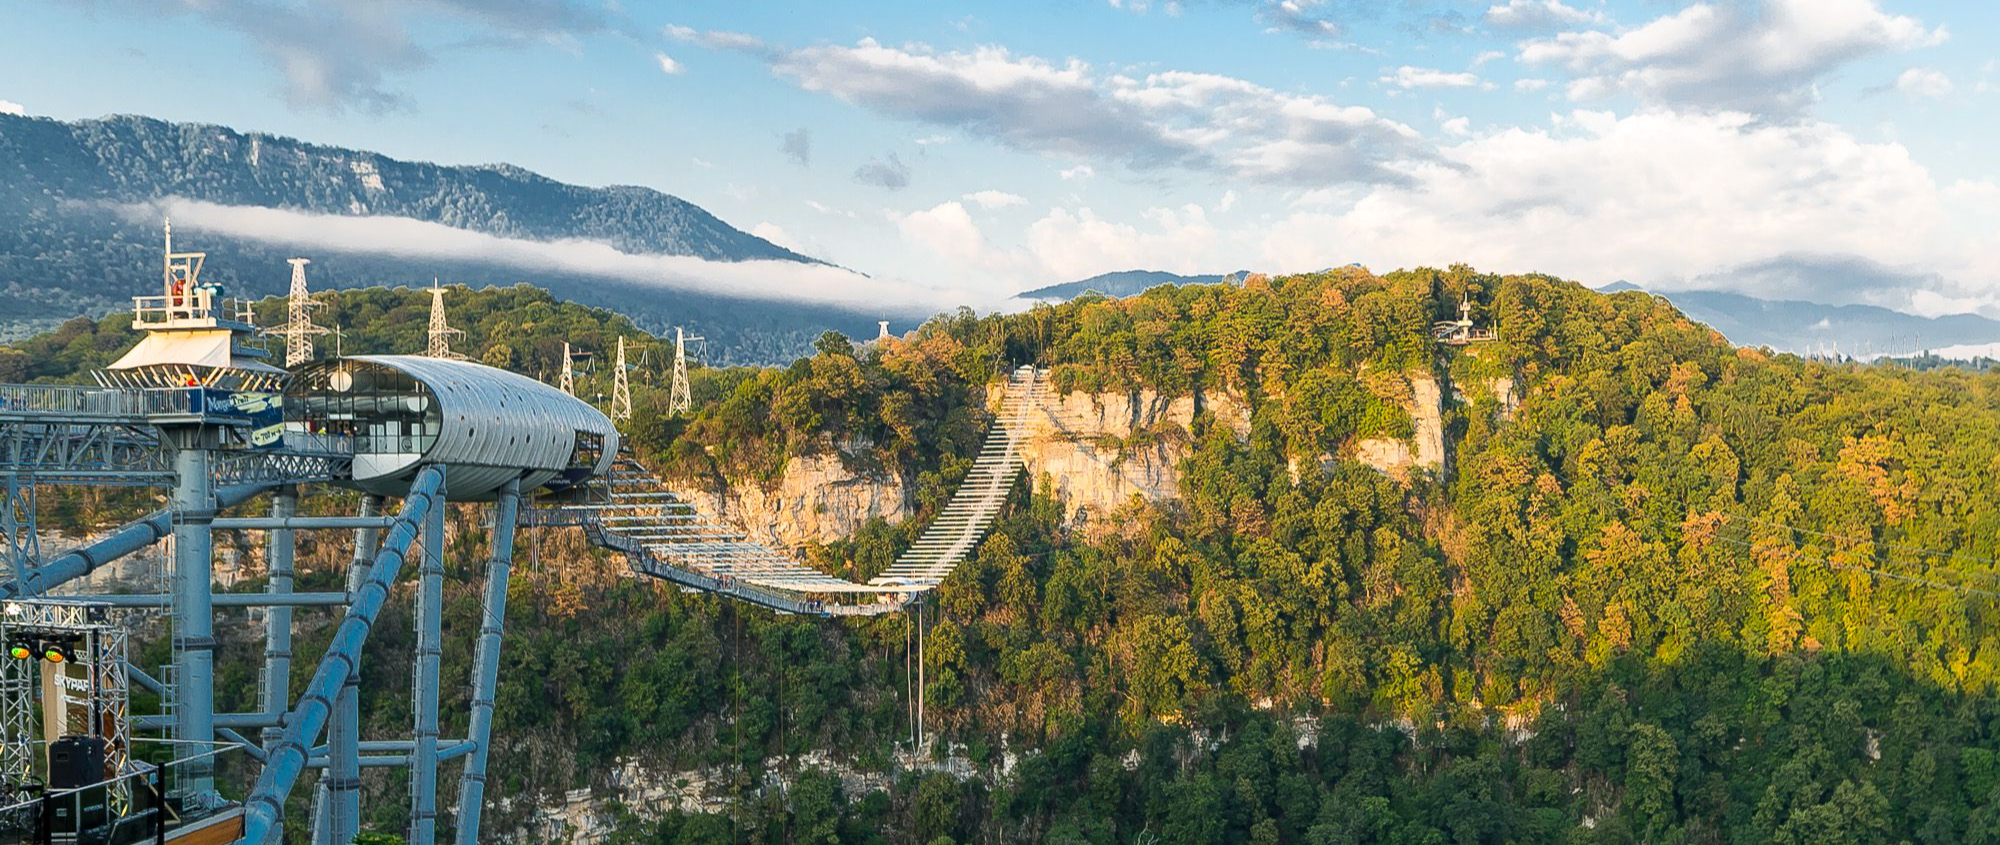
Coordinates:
[65,248]
[1123,283]
[1797,326]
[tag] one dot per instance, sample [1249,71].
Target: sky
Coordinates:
[1835,150]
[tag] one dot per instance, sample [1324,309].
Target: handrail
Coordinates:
[80,401]
[219,748]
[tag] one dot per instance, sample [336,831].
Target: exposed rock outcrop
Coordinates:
[1101,449]
[817,499]
[1396,457]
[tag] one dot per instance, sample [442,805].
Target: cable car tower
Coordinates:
[679,401]
[440,333]
[621,387]
[567,382]
[299,329]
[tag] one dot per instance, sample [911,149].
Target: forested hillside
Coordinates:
[66,248]
[1662,590]
[1681,593]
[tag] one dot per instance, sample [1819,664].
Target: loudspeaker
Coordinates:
[76,761]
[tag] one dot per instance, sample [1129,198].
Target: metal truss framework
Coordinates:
[130,437]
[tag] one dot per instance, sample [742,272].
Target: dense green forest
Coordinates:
[1680,592]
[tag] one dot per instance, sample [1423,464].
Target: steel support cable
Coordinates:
[264,809]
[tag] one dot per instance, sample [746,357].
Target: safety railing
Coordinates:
[77,403]
[81,403]
[145,804]
[199,304]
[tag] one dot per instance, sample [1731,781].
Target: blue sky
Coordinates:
[1840,150]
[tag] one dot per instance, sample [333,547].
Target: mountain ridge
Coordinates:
[1795,325]
[69,245]
[1124,283]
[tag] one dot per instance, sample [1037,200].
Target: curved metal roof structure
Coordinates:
[486,425]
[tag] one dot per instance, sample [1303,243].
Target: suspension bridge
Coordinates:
[194,409]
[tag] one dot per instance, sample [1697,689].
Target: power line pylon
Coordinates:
[621,387]
[568,380]
[299,328]
[440,332]
[679,401]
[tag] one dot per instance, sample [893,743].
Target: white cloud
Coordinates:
[776,234]
[1457,126]
[1662,198]
[1539,14]
[1487,56]
[1298,16]
[1923,82]
[11,107]
[1408,77]
[992,199]
[1758,55]
[1081,171]
[945,229]
[336,56]
[823,208]
[703,163]
[1530,84]
[716,39]
[1078,244]
[421,239]
[1228,200]
[1196,121]
[667,63]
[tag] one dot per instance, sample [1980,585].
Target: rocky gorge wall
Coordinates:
[817,499]
[1095,450]
[1098,450]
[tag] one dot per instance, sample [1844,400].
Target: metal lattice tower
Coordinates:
[621,387]
[440,332]
[568,379]
[299,328]
[679,401]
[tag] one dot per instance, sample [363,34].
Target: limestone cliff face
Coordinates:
[816,500]
[1101,449]
[1396,457]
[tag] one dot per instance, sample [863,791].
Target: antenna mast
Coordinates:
[621,387]
[568,381]
[440,332]
[679,401]
[299,328]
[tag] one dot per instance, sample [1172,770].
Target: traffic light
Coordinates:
[55,652]
[21,649]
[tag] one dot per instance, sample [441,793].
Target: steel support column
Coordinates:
[278,618]
[424,683]
[486,664]
[193,611]
[264,809]
[340,815]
